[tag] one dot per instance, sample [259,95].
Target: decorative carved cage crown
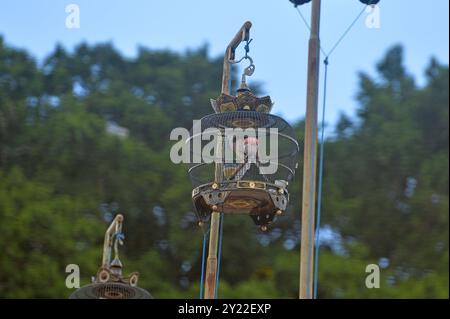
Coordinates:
[244,101]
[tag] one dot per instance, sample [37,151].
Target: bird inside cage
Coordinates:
[245,157]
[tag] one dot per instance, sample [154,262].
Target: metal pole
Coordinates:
[310,158]
[211,264]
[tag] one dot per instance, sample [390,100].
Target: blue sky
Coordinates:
[280,37]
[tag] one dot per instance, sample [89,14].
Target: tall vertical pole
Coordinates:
[211,264]
[310,158]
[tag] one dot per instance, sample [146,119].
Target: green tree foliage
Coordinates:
[42,232]
[387,172]
[85,134]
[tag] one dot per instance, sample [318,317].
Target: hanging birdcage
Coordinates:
[109,282]
[242,158]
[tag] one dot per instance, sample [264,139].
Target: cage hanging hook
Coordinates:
[248,71]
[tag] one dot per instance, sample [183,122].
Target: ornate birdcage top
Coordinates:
[109,282]
[244,101]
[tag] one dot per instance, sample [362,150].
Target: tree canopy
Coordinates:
[84,134]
